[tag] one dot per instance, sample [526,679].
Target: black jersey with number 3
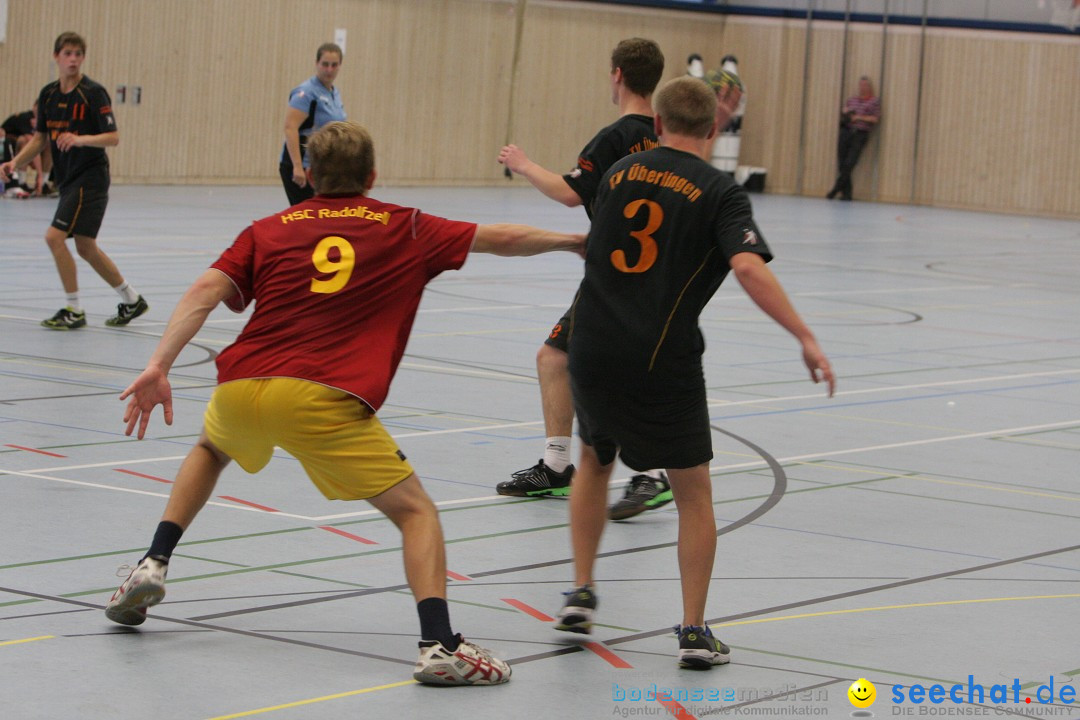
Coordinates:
[86,110]
[665,224]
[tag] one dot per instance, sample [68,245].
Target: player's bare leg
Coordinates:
[698,647]
[552,475]
[145,586]
[588,515]
[89,251]
[556,398]
[194,482]
[697,538]
[65,262]
[408,506]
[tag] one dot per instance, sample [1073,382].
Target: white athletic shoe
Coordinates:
[468,665]
[144,587]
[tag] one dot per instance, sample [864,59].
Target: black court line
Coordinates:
[779,488]
[811,601]
[206,626]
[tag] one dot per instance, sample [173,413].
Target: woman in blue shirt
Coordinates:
[312,104]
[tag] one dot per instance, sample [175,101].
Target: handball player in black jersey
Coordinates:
[667,229]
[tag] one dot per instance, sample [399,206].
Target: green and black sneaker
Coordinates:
[65,319]
[643,493]
[126,312]
[699,648]
[537,481]
[576,614]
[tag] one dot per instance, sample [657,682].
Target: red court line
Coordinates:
[598,648]
[248,503]
[528,610]
[675,709]
[139,474]
[616,661]
[342,533]
[457,576]
[35,450]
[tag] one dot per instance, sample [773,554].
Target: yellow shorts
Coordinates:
[343,447]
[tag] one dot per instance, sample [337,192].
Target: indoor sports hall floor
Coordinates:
[920,528]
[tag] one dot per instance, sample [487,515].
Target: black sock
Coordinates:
[435,622]
[165,541]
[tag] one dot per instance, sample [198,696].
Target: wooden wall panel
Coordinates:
[563,92]
[896,132]
[999,127]
[823,108]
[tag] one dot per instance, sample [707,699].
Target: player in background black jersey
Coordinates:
[75,120]
[636,67]
[667,228]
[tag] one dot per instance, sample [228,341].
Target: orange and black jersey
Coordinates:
[86,110]
[665,225]
[629,134]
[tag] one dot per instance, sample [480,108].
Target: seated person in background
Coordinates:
[16,131]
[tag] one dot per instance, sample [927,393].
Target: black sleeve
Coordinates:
[598,156]
[101,109]
[736,230]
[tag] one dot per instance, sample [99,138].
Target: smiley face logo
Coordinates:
[862,693]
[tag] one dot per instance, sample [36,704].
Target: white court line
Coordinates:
[425,433]
[716,468]
[143,492]
[443,503]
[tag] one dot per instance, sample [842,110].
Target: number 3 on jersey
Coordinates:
[643,236]
[341,268]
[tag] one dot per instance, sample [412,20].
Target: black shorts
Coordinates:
[294,192]
[559,337]
[82,207]
[646,428]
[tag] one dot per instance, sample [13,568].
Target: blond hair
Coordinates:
[686,106]
[342,158]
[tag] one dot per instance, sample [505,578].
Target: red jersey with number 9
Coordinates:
[336,283]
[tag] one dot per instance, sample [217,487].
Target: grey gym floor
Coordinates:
[920,528]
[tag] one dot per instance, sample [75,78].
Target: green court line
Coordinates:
[947,476]
[322,579]
[1038,432]
[977,504]
[452,601]
[810,489]
[226,538]
[31,563]
[863,669]
[116,442]
[19,602]
[313,561]
[209,560]
[1033,443]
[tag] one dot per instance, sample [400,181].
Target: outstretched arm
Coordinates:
[152,387]
[764,289]
[509,240]
[547,182]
